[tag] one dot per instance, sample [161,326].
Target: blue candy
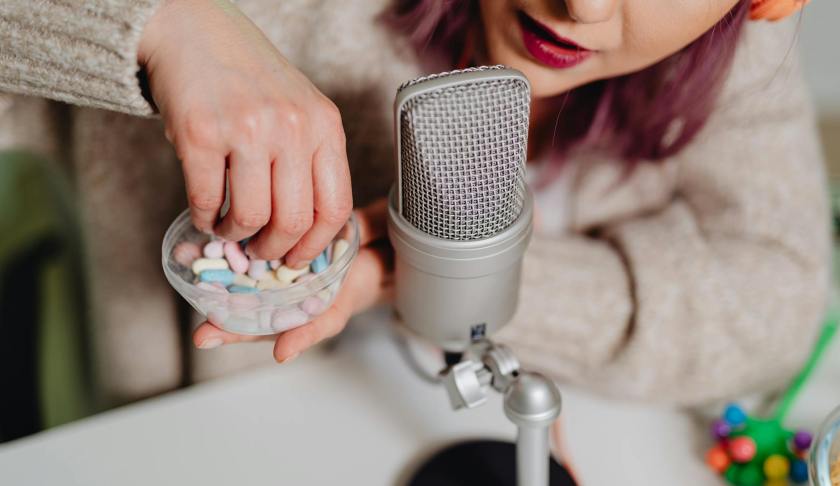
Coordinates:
[224,277]
[734,415]
[320,263]
[242,289]
[799,471]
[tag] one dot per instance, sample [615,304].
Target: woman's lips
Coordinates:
[549,48]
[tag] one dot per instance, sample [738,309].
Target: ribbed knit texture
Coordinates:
[81,52]
[688,281]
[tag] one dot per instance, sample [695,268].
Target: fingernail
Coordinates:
[290,358]
[210,343]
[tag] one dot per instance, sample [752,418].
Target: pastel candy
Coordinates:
[242,289]
[211,288]
[244,280]
[313,306]
[236,257]
[264,320]
[214,249]
[288,275]
[223,276]
[257,269]
[288,318]
[270,284]
[274,264]
[203,264]
[243,302]
[186,252]
[338,248]
[218,316]
[320,263]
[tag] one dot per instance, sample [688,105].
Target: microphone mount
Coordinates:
[531,401]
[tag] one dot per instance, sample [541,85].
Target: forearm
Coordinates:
[78,52]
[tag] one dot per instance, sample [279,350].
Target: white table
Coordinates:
[355,415]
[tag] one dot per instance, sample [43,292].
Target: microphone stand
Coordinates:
[531,402]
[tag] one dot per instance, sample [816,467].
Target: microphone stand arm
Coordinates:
[531,402]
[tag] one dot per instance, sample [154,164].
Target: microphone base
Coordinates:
[479,463]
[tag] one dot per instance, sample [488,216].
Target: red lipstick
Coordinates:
[549,48]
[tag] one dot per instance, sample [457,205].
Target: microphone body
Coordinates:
[460,214]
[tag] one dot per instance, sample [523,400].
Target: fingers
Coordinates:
[250,195]
[208,336]
[204,176]
[291,207]
[333,202]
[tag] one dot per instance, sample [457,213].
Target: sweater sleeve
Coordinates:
[80,52]
[718,293]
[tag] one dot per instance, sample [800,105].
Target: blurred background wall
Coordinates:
[819,44]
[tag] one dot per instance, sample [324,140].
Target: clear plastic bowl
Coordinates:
[267,311]
[825,453]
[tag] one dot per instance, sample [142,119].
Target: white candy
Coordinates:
[203,264]
[257,269]
[288,275]
[218,316]
[338,249]
[244,280]
[274,264]
[264,319]
[214,249]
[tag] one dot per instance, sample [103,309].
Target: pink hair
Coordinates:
[647,115]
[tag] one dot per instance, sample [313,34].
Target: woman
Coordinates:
[682,249]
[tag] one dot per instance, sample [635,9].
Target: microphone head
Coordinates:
[461,143]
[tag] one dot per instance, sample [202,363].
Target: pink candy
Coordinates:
[186,252]
[313,306]
[214,249]
[287,318]
[212,287]
[236,258]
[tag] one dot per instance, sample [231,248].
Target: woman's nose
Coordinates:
[591,11]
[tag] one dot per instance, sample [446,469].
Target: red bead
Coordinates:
[717,459]
[742,449]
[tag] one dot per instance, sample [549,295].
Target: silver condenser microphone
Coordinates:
[460,210]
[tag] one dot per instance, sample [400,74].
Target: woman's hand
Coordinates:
[230,99]
[367,284]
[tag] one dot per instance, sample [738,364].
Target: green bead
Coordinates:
[751,475]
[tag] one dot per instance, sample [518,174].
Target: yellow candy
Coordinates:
[203,264]
[777,482]
[288,275]
[244,280]
[338,249]
[776,467]
[270,283]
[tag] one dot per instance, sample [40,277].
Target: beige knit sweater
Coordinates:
[697,279]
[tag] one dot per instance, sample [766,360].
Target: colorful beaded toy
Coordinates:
[761,452]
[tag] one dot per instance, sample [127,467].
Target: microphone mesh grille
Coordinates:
[463,150]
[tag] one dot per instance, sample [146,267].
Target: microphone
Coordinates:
[460,211]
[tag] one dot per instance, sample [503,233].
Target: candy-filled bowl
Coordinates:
[248,296]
